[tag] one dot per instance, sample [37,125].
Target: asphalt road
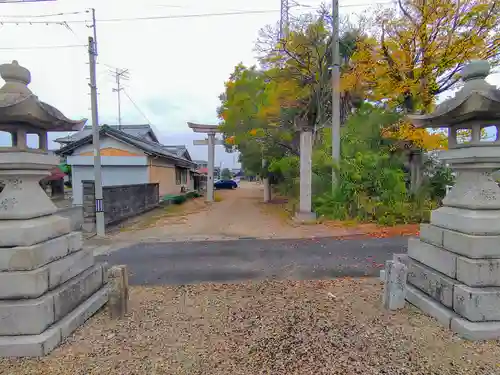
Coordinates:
[249,259]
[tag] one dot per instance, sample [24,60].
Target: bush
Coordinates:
[179,199]
[372,183]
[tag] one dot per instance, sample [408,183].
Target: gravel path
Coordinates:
[314,327]
[229,261]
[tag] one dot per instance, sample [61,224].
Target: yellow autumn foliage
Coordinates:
[416,51]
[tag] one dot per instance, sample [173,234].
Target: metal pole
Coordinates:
[99,207]
[118,74]
[211,157]
[335,89]
[94,27]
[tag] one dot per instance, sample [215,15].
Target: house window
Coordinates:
[180,176]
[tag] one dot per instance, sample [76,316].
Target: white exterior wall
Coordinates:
[116,170]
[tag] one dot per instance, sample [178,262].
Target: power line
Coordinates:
[145,18]
[42,47]
[43,15]
[179,16]
[136,106]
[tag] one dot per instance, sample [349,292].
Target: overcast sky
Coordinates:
[177,66]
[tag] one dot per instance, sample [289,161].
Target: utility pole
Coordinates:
[119,74]
[99,204]
[335,89]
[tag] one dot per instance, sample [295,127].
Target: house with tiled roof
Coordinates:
[143,131]
[130,155]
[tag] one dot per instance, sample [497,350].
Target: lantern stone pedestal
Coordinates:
[454,267]
[49,284]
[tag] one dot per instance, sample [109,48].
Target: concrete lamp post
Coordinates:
[48,284]
[454,267]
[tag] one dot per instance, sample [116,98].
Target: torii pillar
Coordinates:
[211,141]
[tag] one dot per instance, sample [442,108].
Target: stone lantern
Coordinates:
[454,267]
[49,285]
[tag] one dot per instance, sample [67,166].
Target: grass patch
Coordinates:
[283,208]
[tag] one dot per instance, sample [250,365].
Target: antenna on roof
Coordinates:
[119,75]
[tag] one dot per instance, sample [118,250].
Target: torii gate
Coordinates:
[211,141]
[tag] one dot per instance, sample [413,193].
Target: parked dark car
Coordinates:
[225,184]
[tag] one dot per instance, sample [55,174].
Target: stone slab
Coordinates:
[32,231]
[395,285]
[26,317]
[478,272]
[83,312]
[475,331]
[68,267]
[429,306]
[30,345]
[461,243]
[24,284]
[71,293]
[32,284]
[25,258]
[477,304]
[44,343]
[431,282]
[33,316]
[431,234]
[475,222]
[434,256]
[470,245]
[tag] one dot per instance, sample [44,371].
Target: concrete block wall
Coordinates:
[120,202]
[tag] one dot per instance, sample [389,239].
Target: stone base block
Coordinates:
[26,258]
[477,304]
[468,245]
[32,231]
[475,222]
[304,217]
[476,331]
[33,316]
[431,234]
[478,272]
[464,328]
[32,284]
[429,306]
[438,258]
[431,282]
[44,343]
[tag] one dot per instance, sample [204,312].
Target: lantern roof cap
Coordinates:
[18,104]
[476,100]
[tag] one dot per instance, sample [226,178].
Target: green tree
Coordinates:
[226,174]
